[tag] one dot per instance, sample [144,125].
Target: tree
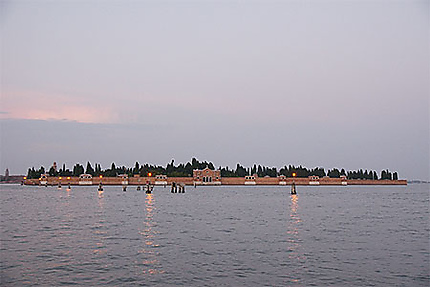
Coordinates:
[136,168]
[78,170]
[211,166]
[188,169]
[240,171]
[334,173]
[254,169]
[386,174]
[194,163]
[170,169]
[342,172]
[97,170]
[89,169]
[226,172]
[259,171]
[52,171]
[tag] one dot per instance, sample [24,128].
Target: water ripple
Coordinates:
[215,236]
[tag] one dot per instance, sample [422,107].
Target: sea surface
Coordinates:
[215,236]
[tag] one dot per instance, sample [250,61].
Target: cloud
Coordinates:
[49,106]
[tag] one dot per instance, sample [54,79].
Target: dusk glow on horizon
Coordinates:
[319,83]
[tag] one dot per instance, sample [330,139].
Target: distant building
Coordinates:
[344,180]
[161,179]
[85,179]
[250,179]
[43,180]
[8,178]
[124,179]
[314,180]
[207,176]
[282,179]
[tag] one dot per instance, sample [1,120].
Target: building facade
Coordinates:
[206,176]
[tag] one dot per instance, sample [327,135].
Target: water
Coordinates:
[215,236]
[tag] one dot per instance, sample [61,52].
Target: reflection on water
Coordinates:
[225,236]
[294,206]
[293,222]
[99,228]
[293,236]
[150,255]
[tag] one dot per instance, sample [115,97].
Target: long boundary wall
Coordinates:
[224,181]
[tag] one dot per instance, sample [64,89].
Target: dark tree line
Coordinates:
[186,170]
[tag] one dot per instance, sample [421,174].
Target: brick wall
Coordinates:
[224,181]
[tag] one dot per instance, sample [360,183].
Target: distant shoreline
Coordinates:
[11,179]
[280,181]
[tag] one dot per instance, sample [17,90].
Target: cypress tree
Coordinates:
[89,169]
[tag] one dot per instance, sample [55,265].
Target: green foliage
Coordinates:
[386,174]
[89,169]
[52,171]
[335,173]
[186,170]
[136,168]
[78,170]
[240,171]
[226,172]
[32,173]
[299,171]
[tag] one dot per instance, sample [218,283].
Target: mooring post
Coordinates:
[293,186]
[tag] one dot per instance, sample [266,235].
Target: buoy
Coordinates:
[138,187]
[293,188]
[148,188]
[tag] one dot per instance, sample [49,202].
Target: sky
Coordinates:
[328,84]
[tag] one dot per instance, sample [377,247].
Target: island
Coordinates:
[198,173]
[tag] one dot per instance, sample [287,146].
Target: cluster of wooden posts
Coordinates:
[177,188]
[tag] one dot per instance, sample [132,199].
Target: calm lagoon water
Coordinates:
[215,236]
